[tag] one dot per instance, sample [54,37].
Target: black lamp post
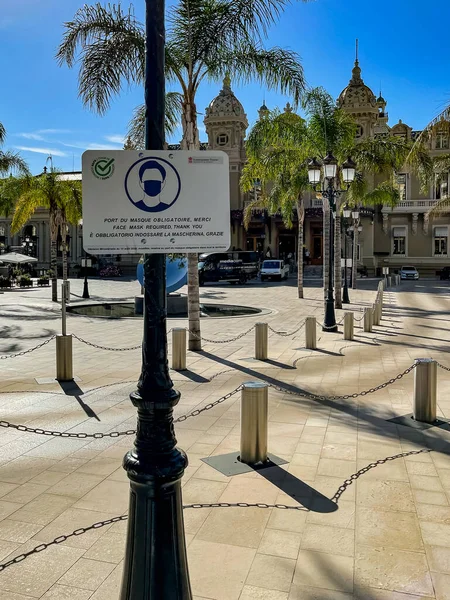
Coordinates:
[346,213]
[85,264]
[155,566]
[352,230]
[330,191]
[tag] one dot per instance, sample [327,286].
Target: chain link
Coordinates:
[5,356]
[234,339]
[245,505]
[105,347]
[442,366]
[60,539]
[113,434]
[348,482]
[286,333]
[346,396]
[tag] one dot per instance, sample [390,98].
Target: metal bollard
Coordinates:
[310,333]
[425,384]
[368,320]
[64,355]
[348,325]
[376,314]
[179,349]
[261,341]
[254,427]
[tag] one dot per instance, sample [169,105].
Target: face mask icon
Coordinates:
[152,178]
[152,187]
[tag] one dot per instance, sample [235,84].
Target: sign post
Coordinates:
[155,563]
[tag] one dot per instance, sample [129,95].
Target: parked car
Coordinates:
[445,273]
[226,270]
[250,261]
[274,269]
[409,272]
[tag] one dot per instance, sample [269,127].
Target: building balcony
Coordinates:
[410,206]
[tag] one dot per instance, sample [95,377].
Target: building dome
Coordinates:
[357,94]
[225,104]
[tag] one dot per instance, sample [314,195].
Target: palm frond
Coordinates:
[12,162]
[109,42]
[275,68]
[440,209]
[29,201]
[136,126]
[2,133]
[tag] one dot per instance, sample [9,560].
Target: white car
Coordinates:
[409,272]
[274,269]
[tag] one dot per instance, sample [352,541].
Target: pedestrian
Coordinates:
[308,256]
[268,252]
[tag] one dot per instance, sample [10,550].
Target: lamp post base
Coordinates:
[85,289]
[329,322]
[155,563]
[345,296]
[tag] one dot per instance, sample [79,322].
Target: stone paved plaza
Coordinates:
[387,535]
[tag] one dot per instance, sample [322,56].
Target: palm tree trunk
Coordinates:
[301,217]
[326,244]
[355,256]
[337,257]
[191,141]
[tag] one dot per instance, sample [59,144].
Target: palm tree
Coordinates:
[62,198]
[205,40]
[10,161]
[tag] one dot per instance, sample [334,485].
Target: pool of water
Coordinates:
[120,310]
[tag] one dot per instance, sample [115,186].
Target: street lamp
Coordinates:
[85,264]
[27,245]
[353,230]
[330,191]
[346,213]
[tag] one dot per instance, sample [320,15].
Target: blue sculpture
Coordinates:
[176,274]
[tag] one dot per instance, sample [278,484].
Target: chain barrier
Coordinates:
[323,326]
[238,337]
[5,356]
[442,366]
[60,539]
[105,347]
[348,482]
[286,333]
[263,505]
[312,396]
[112,434]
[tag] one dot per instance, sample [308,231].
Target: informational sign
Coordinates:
[155,201]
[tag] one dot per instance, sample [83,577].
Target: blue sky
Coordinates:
[402,48]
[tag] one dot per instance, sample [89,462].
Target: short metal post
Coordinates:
[179,349]
[376,313]
[64,355]
[254,428]
[368,320]
[311,333]
[348,326]
[261,341]
[425,385]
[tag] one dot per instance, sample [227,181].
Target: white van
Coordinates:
[274,269]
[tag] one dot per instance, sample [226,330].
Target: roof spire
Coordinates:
[356,72]
[357,44]
[227,81]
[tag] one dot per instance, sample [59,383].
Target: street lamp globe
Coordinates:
[314,171]
[348,171]
[355,214]
[346,212]
[330,166]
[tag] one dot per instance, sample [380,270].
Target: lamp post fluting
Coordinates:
[330,190]
[155,565]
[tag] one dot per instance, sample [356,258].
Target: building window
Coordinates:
[399,241]
[359,131]
[440,241]
[222,139]
[441,186]
[441,140]
[401,183]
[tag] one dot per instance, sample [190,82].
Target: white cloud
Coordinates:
[92,146]
[49,131]
[32,136]
[115,139]
[47,151]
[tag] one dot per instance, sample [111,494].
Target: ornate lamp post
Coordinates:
[155,565]
[354,230]
[346,213]
[330,191]
[85,264]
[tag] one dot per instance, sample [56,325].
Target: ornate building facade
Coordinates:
[390,237]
